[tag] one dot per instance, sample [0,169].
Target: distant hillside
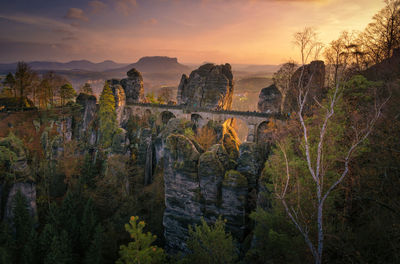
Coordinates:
[255,67]
[83,65]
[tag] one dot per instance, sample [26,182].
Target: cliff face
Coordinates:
[313,78]
[310,76]
[208,184]
[209,86]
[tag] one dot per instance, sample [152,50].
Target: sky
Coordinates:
[194,31]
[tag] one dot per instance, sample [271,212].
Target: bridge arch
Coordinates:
[241,127]
[264,131]
[197,121]
[166,115]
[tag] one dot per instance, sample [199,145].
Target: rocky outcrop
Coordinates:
[88,103]
[387,70]
[133,86]
[182,191]
[250,162]
[211,174]
[270,100]
[133,91]
[120,100]
[26,189]
[233,207]
[14,148]
[311,77]
[210,86]
[218,182]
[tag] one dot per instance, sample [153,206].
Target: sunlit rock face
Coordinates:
[210,86]
[311,77]
[270,100]
[120,100]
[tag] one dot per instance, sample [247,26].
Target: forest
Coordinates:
[82,181]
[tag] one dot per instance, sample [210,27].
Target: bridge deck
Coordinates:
[189,109]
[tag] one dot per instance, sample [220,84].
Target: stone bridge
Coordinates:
[201,116]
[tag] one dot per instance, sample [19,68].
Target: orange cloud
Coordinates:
[97,6]
[151,21]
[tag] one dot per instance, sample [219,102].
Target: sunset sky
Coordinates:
[194,31]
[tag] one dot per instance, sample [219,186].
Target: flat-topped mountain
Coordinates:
[156,64]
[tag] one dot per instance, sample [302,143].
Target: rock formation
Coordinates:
[88,103]
[270,100]
[182,192]
[207,184]
[210,86]
[313,78]
[133,86]
[388,69]
[120,100]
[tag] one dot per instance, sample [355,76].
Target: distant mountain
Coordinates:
[156,64]
[83,65]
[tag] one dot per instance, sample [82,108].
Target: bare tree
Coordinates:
[24,78]
[316,157]
[306,40]
[165,94]
[382,35]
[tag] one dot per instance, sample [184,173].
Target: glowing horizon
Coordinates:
[234,31]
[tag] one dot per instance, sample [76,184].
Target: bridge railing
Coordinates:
[190,109]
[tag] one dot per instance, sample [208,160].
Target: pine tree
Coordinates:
[210,244]
[108,116]
[10,83]
[60,251]
[87,226]
[87,89]
[67,93]
[94,253]
[140,249]
[25,235]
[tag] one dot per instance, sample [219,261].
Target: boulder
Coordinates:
[210,86]
[270,100]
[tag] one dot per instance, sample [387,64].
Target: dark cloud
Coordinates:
[97,6]
[76,14]
[126,7]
